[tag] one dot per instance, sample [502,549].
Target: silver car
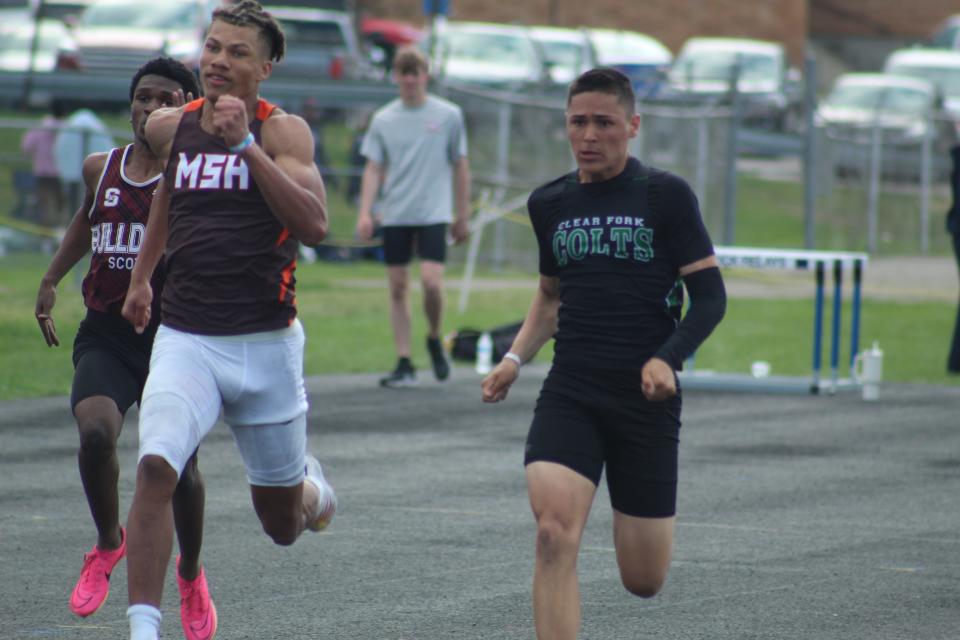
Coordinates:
[496,55]
[117,36]
[896,116]
[769,89]
[568,52]
[941,67]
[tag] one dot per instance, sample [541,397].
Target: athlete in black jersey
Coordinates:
[110,358]
[616,240]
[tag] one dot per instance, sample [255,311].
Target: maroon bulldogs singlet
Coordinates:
[229,261]
[118,219]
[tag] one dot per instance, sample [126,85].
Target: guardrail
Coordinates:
[90,89]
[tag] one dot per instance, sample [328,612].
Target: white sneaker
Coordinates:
[327,504]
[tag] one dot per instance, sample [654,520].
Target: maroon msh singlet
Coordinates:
[229,261]
[118,219]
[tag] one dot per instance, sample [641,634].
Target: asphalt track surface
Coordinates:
[799,517]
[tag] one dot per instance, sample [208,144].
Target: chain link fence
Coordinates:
[862,189]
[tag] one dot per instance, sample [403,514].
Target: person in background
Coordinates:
[82,134]
[38,143]
[416,152]
[953,228]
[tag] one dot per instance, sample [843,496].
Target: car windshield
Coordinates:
[313,34]
[946,78]
[718,65]
[159,15]
[51,36]
[896,100]
[615,47]
[947,39]
[504,49]
[564,54]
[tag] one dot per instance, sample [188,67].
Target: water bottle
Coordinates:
[484,353]
[868,370]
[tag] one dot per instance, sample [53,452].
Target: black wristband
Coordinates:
[708,302]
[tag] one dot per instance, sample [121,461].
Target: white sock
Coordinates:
[144,622]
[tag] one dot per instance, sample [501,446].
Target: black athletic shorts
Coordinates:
[110,359]
[430,240]
[587,419]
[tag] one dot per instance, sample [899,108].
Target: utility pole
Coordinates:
[436,13]
[38,8]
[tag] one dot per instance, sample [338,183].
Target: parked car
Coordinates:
[495,55]
[643,58]
[947,33]
[941,67]
[770,91]
[568,52]
[905,112]
[66,11]
[16,41]
[117,36]
[320,44]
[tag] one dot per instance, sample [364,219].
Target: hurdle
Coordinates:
[819,262]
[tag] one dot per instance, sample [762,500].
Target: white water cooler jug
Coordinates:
[868,371]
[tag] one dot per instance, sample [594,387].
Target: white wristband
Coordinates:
[247,142]
[510,355]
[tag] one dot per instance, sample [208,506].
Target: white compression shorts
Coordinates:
[258,380]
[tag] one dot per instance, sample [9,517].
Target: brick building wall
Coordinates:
[670,21]
[879,18]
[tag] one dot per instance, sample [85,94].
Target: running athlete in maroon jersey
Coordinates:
[239,191]
[616,238]
[110,358]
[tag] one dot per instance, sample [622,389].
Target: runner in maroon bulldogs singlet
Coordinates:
[117,219]
[239,190]
[110,358]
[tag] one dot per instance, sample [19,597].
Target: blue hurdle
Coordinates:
[819,262]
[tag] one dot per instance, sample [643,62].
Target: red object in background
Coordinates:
[390,31]
[336,68]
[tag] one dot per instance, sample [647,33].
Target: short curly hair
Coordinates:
[167,68]
[249,13]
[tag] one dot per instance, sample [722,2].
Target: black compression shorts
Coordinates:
[110,359]
[430,240]
[585,420]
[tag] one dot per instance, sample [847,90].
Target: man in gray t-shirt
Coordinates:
[416,152]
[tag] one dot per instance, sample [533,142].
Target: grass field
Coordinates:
[343,307]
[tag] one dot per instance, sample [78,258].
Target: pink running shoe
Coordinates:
[197,612]
[93,587]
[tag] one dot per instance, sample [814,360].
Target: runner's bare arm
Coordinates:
[538,327]
[136,306]
[75,244]
[288,178]
[160,130]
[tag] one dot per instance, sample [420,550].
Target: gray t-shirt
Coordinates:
[417,148]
